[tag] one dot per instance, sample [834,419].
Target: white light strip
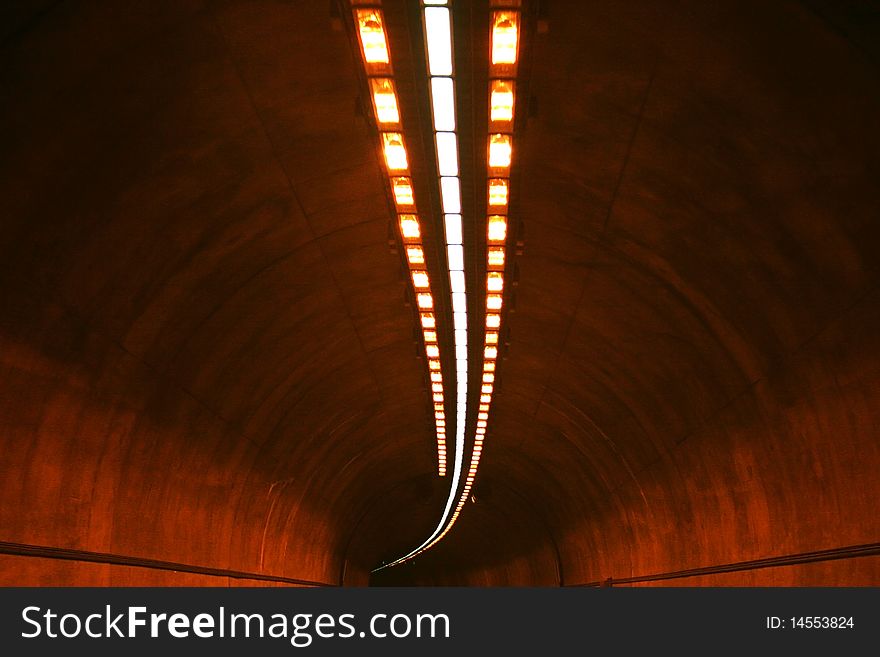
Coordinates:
[439,36]
[447,153]
[443,103]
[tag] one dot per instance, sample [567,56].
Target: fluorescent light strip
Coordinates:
[438,38]
[438,33]
[377,64]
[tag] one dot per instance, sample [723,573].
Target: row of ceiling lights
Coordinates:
[504,43]
[377,61]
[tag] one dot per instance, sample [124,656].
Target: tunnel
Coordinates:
[212,366]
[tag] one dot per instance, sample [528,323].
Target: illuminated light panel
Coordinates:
[490,353]
[434,365]
[493,320]
[495,254]
[493,301]
[450,193]
[485,399]
[437,387]
[409,227]
[395,152]
[433,351]
[456,281]
[488,378]
[436,377]
[452,223]
[372,34]
[385,100]
[497,192]
[505,35]
[430,336]
[403,191]
[484,407]
[425,300]
[420,280]
[428,320]
[486,389]
[500,151]
[438,397]
[491,337]
[438,33]
[494,281]
[455,255]
[447,153]
[501,101]
[415,255]
[482,416]
[497,228]
[443,104]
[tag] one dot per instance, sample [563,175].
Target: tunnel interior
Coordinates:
[210,362]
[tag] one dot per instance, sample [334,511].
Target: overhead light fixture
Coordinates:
[409,227]
[447,153]
[491,337]
[504,37]
[455,254]
[443,104]
[439,37]
[456,281]
[415,255]
[430,336]
[428,320]
[493,320]
[385,100]
[498,193]
[496,254]
[501,101]
[497,228]
[436,377]
[433,351]
[494,281]
[372,34]
[425,300]
[500,152]
[452,223]
[403,191]
[493,301]
[420,280]
[395,152]
[450,193]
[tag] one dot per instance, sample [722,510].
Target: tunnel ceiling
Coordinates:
[210,355]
